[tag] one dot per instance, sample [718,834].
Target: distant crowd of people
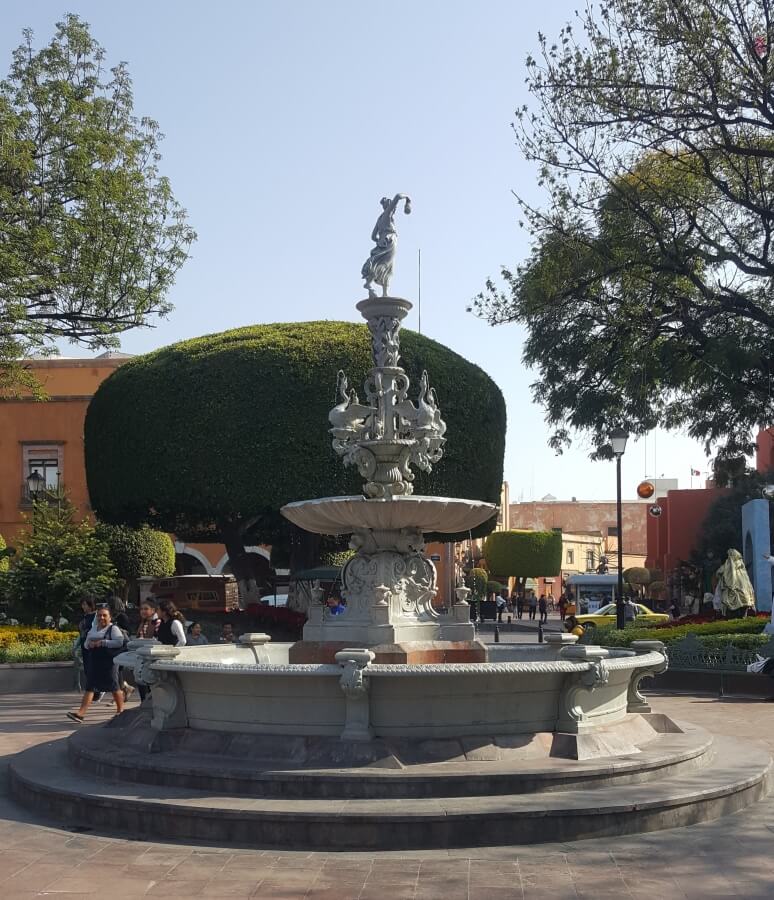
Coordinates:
[103,633]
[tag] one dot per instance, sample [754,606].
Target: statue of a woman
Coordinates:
[378,267]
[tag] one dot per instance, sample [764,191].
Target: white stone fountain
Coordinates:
[389,726]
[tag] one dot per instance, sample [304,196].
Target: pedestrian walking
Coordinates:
[172,628]
[543,608]
[532,605]
[103,642]
[630,611]
[520,606]
[501,602]
[562,607]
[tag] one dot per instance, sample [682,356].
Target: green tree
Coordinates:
[138,552]
[721,530]
[524,554]
[58,562]
[648,294]
[477,580]
[90,233]
[243,429]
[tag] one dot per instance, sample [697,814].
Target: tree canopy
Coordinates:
[722,527]
[524,554]
[648,293]
[91,235]
[208,438]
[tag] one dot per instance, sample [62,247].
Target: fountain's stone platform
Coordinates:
[98,779]
[409,652]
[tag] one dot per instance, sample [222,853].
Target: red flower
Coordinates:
[760,46]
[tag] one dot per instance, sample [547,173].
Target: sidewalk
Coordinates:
[729,858]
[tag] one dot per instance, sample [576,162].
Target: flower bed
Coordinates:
[20,643]
[25,634]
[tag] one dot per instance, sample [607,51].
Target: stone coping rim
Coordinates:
[644,660]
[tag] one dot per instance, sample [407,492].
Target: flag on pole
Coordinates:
[695,472]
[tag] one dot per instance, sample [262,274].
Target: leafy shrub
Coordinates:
[19,652]
[494,587]
[4,561]
[138,552]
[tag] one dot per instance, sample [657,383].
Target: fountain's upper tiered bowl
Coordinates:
[343,515]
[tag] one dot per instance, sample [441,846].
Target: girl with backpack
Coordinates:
[104,641]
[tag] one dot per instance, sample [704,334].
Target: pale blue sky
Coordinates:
[287,120]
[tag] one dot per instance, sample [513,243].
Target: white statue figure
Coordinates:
[378,267]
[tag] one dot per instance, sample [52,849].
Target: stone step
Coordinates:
[737,776]
[95,751]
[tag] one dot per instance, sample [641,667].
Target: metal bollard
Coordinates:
[540,632]
[497,633]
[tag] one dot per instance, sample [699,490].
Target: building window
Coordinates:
[612,531]
[570,557]
[46,461]
[589,560]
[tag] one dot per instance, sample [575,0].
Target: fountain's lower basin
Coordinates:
[521,690]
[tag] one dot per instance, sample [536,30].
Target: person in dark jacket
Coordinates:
[172,628]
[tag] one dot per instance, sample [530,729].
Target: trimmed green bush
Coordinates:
[494,587]
[138,552]
[225,429]
[524,554]
[637,575]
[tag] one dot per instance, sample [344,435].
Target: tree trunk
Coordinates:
[304,549]
[239,559]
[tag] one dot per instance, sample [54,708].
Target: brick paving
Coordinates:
[729,858]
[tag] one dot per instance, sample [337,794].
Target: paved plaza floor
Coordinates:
[730,858]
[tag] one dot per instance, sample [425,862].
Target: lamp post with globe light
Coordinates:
[618,439]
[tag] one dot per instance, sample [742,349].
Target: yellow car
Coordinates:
[606,616]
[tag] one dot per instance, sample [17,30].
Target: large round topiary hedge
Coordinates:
[229,427]
[524,554]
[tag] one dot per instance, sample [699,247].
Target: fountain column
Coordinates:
[389,584]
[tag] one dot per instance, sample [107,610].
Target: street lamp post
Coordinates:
[35,485]
[618,438]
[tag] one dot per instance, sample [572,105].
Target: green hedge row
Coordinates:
[611,637]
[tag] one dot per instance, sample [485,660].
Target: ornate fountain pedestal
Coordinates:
[389,585]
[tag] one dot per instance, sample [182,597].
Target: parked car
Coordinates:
[607,616]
